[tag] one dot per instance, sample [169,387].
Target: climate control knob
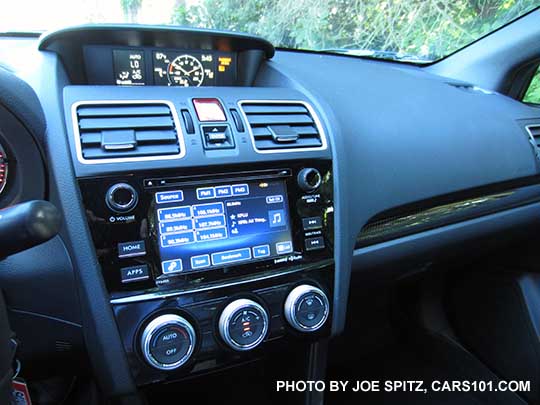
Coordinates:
[309,179]
[243,324]
[121,198]
[168,341]
[306,308]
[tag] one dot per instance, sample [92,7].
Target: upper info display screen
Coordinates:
[222,225]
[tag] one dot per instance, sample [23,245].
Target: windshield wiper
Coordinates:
[25,34]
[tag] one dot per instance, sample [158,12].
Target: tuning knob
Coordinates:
[243,324]
[121,198]
[168,341]
[306,308]
[309,179]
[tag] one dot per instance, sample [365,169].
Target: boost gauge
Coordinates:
[3,169]
[185,70]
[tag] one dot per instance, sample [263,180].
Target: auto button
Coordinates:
[168,342]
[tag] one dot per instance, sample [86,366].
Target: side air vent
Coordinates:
[126,131]
[278,126]
[534,131]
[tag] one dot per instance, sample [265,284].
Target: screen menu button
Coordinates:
[205,193]
[169,196]
[231,256]
[240,189]
[171,266]
[261,251]
[284,247]
[198,262]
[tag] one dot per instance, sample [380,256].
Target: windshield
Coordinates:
[418,31]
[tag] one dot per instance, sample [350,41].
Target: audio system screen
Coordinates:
[222,225]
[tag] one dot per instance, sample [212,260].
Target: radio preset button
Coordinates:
[311,223]
[134,273]
[131,249]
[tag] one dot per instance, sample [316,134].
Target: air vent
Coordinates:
[126,131]
[534,131]
[278,126]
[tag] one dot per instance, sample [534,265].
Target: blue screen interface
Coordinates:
[206,227]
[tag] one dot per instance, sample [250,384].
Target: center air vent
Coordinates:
[126,131]
[280,126]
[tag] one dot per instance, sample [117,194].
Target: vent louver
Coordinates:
[282,125]
[133,131]
[534,131]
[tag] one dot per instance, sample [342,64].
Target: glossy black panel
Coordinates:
[203,310]
[109,228]
[441,212]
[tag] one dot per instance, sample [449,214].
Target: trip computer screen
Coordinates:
[210,226]
[151,66]
[129,67]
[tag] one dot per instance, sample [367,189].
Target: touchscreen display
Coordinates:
[222,225]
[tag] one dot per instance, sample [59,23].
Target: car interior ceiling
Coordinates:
[277,227]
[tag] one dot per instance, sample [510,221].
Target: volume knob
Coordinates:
[121,198]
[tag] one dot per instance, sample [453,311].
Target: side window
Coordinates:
[533,92]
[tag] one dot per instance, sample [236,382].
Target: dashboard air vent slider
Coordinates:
[534,131]
[534,134]
[126,130]
[277,126]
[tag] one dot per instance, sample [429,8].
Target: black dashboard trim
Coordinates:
[417,252]
[446,210]
[147,35]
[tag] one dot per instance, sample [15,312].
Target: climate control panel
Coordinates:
[200,331]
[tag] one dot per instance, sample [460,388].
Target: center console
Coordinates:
[223,254]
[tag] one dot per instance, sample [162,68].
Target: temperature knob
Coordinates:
[243,324]
[168,341]
[306,308]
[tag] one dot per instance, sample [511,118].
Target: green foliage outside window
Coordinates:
[421,30]
[533,92]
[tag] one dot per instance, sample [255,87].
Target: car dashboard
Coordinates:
[217,193]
